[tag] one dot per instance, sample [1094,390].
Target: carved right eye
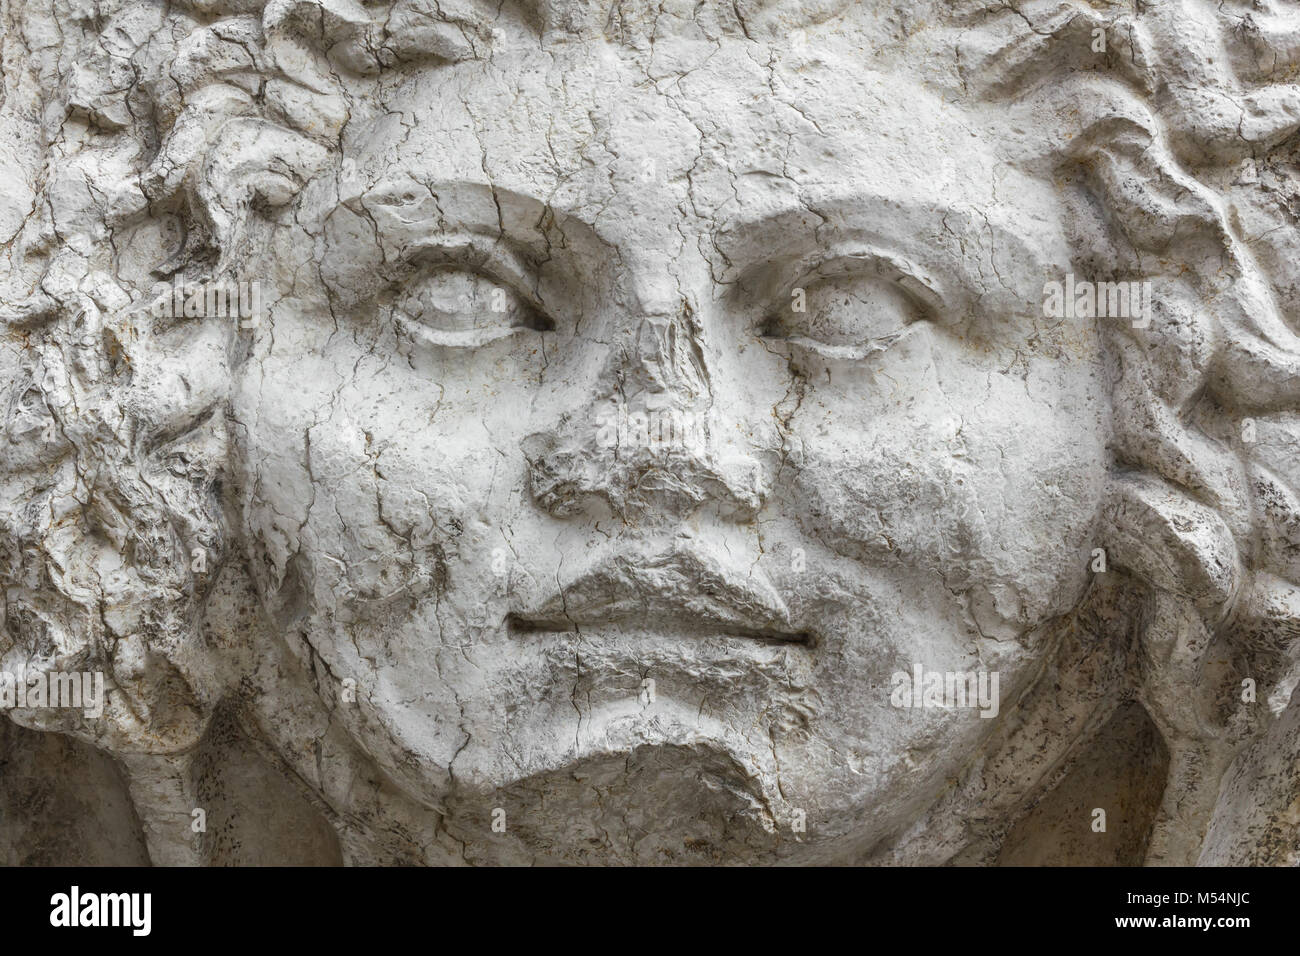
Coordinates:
[454,307]
[843,316]
[853,305]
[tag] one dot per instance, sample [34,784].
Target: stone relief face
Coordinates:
[645,464]
[641,401]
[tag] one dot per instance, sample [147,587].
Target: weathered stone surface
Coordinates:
[615,431]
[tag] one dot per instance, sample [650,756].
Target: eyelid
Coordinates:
[493,260]
[856,262]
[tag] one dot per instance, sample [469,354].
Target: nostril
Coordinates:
[538,322]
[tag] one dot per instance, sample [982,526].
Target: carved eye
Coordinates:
[454,307]
[843,316]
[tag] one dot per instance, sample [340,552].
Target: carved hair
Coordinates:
[1176,137]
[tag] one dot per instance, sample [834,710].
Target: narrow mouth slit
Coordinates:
[523,625]
[518,624]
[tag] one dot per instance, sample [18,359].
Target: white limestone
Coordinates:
[606,401]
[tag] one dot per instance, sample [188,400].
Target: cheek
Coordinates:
[987,477]
[378,469]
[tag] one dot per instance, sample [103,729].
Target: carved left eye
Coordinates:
[454,307]
[843,317]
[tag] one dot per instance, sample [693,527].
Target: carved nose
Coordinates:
[651,439]
[632,476]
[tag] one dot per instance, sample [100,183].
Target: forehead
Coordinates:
[715,147]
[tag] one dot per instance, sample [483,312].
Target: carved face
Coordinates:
[623,426]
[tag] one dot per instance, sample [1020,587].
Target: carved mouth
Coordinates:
[687,591]
[679,627]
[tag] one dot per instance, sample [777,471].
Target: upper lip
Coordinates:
[688,585]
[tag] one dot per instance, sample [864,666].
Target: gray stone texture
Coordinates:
[630,401]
